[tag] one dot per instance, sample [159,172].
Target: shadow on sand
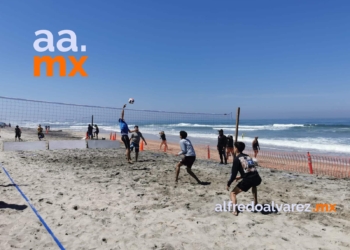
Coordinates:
[4,205]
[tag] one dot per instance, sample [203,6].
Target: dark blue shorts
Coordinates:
[136,146]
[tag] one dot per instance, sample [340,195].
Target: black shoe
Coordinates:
[221,163]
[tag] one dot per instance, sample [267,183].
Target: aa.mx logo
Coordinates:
[61,60]
[324,208]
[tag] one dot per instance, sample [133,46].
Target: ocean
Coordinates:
[318,136]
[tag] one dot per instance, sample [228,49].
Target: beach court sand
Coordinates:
[94,199]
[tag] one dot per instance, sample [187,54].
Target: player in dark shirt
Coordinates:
[18,133]
[90,128]
[249,175]
[97,131]
[222,141]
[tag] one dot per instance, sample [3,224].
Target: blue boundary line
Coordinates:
[34,210]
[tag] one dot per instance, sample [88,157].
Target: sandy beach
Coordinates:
[94,199]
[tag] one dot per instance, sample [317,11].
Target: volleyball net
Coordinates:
[201,126]
[30,113]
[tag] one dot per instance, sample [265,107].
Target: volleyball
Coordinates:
[131,100]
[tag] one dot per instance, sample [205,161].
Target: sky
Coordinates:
[273,59]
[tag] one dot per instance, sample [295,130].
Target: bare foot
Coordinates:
[235,213]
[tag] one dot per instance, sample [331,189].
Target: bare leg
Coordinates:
[128,155]
[166,145]
[233,194]
[177,171]
[160,147]
[255,195]
[189,170]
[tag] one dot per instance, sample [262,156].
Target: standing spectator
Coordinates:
[40,132]
[90,128]
[97,131]
[162,137]
[222,146]
[229,147]
[256,146]
[18,133]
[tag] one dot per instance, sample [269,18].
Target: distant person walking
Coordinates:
[222,141]
[97,131]
[18,133]
[124,131]
[249,175]
[40,132]
[255,146]
[135,141]
[163,138]
[189,156]
[229,146]
[90,128]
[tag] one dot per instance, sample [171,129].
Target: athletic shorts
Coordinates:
[188,161]
[136,146]
[18,135]
[126,141]
[248,182]
[221,149]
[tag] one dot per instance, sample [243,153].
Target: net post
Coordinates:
[237,123]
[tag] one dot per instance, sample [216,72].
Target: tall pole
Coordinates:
[237,123]
[92,120]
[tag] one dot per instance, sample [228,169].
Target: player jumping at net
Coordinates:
[135,141]
[124,131]
[189,154]
[250,177]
